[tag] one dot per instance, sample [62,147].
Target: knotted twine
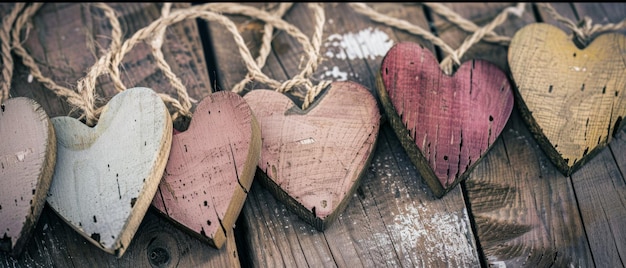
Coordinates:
[5,48]
[447,64]
[84,98]
[110,61]
[584,31]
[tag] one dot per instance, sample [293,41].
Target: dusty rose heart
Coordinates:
[312,160]
[27,159]
[445,123]
[572,99]
[211,167]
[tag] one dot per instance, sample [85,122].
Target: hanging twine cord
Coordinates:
[255,74]
[454,56]
[465,24]
[84,98]
[447,64]
[584,30]
[312,50]
[5,46]
[266,46]
[183,105]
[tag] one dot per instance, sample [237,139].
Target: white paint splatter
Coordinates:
[366,44]
[335,73]
[445,235]
[307,141]
[30,78]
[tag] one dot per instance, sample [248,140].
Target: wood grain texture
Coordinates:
[211,167]
[27,159]
[446,123]
[393,219]
[63,50]
[573,99]
[106,176]
[157,243]
[67,38]
[525,214]
[313,160]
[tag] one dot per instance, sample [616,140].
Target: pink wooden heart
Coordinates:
[211,167]
[312,160]
[445,123]
[27,159]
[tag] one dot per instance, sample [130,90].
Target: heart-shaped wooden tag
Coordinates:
[211,167]
[27,158]
[572,99]
[106,176]
[445,123]
[312,160]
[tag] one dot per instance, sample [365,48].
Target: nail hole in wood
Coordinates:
[159,256]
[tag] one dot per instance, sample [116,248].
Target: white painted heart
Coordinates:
[106,176]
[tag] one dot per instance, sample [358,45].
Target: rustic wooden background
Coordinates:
[516,209]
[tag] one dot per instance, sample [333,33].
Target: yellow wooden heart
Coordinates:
[106,176]
[572,99]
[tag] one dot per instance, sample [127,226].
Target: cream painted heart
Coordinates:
[106,176]
[445,123]
[27,158]
[572,99]
[312,160]
[211,167]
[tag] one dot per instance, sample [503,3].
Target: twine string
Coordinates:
[584,30]
[5,49]
[454,56]
[465,24]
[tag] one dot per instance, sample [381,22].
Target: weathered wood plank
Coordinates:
[393,220]
[526,212]
[157,243]
[599,184]
[64,39]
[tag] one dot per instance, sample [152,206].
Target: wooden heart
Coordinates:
[312,160]
[572,99]
[106,176]
[27,158]
[445,123]
[211,167]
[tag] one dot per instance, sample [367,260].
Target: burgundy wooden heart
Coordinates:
[211,167]
[312,160]
[27,159]
[445,123]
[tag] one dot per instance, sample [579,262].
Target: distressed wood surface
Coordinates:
[211,167]
[27,159]
[573,99]
[599,184]
[106,176]
[445,123]
[62,39]
[393,220]
[526,212]
[313,160]
[523,210]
